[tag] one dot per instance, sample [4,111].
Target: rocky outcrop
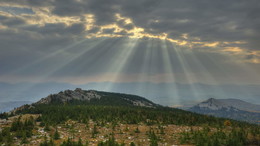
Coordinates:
[68,95]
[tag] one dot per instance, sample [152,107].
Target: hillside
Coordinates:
[90,97]
[227,109]
[77,117]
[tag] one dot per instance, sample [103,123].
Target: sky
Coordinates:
[139,42]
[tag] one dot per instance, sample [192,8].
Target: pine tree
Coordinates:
[45,142]
[56,135]
[153,138]
[79,142]
[94,131]
[137,130]
[47,128]
[132,144]
[24,138]
[86,143]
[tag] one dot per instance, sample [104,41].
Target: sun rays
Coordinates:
[131,60]
[120,60]
[168,69]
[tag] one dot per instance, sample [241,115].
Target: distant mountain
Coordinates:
[213,104]
[7,106]
[219,108]
[242,105]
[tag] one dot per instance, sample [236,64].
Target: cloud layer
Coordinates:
[61,39]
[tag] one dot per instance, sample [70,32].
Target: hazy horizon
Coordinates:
[160,93]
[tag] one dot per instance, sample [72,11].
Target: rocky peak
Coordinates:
[213,104]
[67,95]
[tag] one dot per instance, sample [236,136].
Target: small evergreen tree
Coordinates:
[56,135]
[79,142]
[94,131]
[47,127]
[137,130]
[153,138]
[24,138]
[132,144]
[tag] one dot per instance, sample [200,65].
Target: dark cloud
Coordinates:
[34,3]
[233,20]
[249,57]
[69,7]
[16,10]
[103,10]
[93,30]
[57,28]
[2,18]
[12,21]
[108,31]
[209,20]
[123,24]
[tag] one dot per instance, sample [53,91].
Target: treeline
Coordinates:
[57,113]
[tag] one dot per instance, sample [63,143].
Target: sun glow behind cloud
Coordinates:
[40,16]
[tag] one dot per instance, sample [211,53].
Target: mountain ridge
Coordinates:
[218,108]
[241,104]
